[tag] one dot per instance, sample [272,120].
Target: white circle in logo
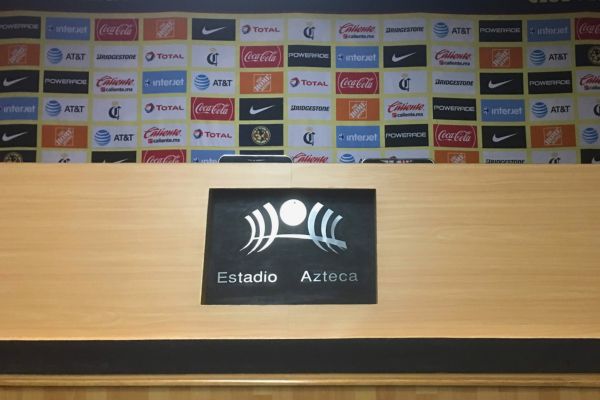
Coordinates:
[292,212]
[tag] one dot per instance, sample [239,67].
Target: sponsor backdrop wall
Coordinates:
[190,87]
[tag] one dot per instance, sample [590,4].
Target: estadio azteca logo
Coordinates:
[115,83]
[455,135]
[163,156]
[357,82]
[117,29]
[309,30]
[261,56]
[207,108]
[309,136]
[587,28]
[446,56]
[163,135]
[357,30]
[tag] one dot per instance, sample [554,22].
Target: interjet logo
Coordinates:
[293,213]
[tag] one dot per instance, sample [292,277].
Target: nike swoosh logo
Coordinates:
[493,85]
[211,31]
[254,111]
[400,58]
[8,83]
[498,139]
[115,162]
[8,138]
[594,161]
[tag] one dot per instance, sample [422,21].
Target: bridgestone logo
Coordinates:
[116,56]
[449,82]
[407,29]
[310,108]
[505,161]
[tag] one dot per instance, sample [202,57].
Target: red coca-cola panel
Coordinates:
[261,56]
[455,135]
[117,29]
[209,108]
[357,82]
[587,28]
[163,156]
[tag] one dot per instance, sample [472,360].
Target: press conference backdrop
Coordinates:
[189,87]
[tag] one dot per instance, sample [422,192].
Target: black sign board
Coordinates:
[290,246]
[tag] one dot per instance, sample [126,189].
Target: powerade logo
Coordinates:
[68,28]
[164,82]
[548,30]
[18,108]
[503,110]
[357,136]
[357,57]
[208,156]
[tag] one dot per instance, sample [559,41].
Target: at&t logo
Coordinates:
[293,213]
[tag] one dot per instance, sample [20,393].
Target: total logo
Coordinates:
[309,82]
[261,30]
[213,135]
[295,82]
[151,107]
[199,134]
[168,56]
[246,29]
[151,56]
[164,108]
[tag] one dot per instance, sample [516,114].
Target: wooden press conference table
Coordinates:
[488,277]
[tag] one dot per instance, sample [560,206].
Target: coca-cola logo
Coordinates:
[309,158]
[455,136]
[590,82]
[117,29]
[587,28]
[357,83]
[261,56]
[207,108]
[163,156]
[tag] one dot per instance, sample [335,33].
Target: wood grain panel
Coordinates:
[115,252]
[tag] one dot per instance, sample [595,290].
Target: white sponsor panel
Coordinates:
[453,82]
[504,157]
[213,82]
[309,108]
[309,30]
[307,156]
[453,57]
[261,30]
[588,81]
[115,83]
[163,108]
[116,56]
[452,30]
[357,30]
[309,135]
[66,56]
[405,82]
[169,55]
[402,30]
[113,136]
[312,82]
[354,157]
[115,110]
[403,154]
[554,157]
[65,109]
[212,135]
[551,109]
[589,107]
[64,156]
[412,108]
[163,135]
[213,56]
[549,57]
